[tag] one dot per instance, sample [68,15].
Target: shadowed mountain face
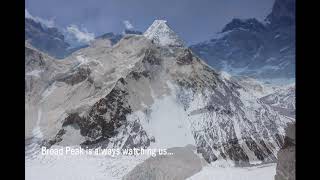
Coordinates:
[48,40]
[283,13]
[249,47]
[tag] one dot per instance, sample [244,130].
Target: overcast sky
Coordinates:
[193,20]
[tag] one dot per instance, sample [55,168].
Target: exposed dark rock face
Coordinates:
[137,132]
[232,146]
[286,166]
[104,120]
[150,58]
[55,140]
[113,105]
[105,116]
[186,58]
[76,76]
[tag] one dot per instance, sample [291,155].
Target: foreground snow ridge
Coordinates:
[90,167]
[82,167]
[265,172]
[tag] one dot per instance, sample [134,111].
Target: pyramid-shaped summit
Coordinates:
[159,32]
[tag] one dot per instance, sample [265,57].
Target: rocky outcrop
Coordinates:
[77,76]
[286,165]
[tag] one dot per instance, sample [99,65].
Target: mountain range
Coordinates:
[244,47]
[142,92]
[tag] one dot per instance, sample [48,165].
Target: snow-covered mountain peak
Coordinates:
[159,32]
[118,97]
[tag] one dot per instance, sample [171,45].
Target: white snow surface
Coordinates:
[35,73]
[82,167]
[86,167]
[37,130]
[167,122]
[262,172]
[48,91]
[166,111]
[162,34]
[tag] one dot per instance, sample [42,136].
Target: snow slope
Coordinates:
[262,172]
[82,167]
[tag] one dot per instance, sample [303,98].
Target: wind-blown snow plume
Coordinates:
[82,35]
[48,23]
[127,24]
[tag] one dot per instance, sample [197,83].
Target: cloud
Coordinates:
[81,35]
[48,23]
[127,24]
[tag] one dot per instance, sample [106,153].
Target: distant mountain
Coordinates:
[283,14]
[60,43]
[47,39]
[130,31]
[114,38]
[264,50]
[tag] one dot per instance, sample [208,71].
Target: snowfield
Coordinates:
[262,172]
[82,167]
[86,167]
[97,168]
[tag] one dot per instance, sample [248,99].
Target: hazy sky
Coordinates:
[193,20]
